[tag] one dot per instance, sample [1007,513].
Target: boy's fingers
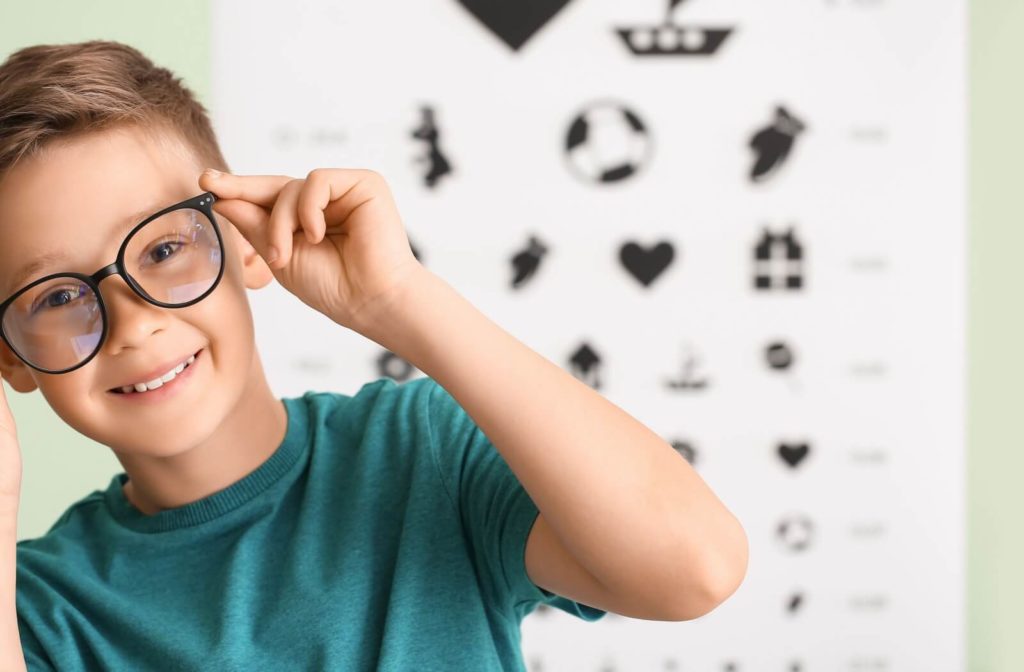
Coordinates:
[283,223]
[244,215]
[260,189]
[313,200]
[250,219]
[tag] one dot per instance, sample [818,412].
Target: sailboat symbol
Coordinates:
[672,39]
[691,378]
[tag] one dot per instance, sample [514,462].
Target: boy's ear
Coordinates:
[255,271]
[15,372]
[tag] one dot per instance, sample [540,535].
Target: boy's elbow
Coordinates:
[721,581]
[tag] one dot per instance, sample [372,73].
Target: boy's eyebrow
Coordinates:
[30,268]
[42,261]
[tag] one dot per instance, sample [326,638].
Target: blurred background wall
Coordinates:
[61,466]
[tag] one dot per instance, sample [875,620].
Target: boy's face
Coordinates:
[79,198]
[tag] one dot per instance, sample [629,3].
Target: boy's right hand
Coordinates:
[12,656]
[10,458]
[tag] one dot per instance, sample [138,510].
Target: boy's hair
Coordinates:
[54,92]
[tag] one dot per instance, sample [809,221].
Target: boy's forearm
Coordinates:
[11,657]
[629,508]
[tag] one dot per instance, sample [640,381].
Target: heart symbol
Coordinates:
[646,265]
[514,22]
[793,454]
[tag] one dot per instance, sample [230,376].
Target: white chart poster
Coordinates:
[744,222]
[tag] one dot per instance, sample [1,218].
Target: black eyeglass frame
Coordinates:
[203,203]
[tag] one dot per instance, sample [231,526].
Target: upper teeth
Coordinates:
[157,382]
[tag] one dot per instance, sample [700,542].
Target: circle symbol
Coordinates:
[795,532]
[607,142]
[779,355]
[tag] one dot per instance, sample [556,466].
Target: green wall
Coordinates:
[60,465]
[995,589]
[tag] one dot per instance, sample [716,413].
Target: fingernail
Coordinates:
[212,172]
[271,255]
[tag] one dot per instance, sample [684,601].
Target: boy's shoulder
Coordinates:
[83,508]
[384,391]
[372,389]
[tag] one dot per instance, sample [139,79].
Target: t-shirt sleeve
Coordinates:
[496,511]
[35,659]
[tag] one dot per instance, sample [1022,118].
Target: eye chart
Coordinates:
[744,222]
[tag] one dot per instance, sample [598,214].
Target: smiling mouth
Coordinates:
[157,383]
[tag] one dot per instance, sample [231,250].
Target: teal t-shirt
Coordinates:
[385,533]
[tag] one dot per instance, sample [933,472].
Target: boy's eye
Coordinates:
[59,297]
[164,250]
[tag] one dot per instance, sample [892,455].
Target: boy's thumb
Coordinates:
[250,219]
[6,417]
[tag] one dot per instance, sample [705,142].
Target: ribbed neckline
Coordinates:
[293,446]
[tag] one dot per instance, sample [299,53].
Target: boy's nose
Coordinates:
[131,320]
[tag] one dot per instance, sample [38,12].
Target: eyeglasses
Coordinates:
[172,259]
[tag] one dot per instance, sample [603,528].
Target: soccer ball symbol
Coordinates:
[607,142]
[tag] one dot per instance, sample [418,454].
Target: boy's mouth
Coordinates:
[158,380]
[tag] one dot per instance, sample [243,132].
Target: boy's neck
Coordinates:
[244,440]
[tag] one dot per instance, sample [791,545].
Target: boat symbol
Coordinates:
[690,378]
[671,39]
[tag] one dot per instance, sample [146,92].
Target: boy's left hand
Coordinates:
[341,246]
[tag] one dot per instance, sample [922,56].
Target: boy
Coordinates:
[409,526]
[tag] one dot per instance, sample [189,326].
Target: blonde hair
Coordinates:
[54,92]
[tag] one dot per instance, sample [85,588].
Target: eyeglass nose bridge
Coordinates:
[115,269]
[111,269]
